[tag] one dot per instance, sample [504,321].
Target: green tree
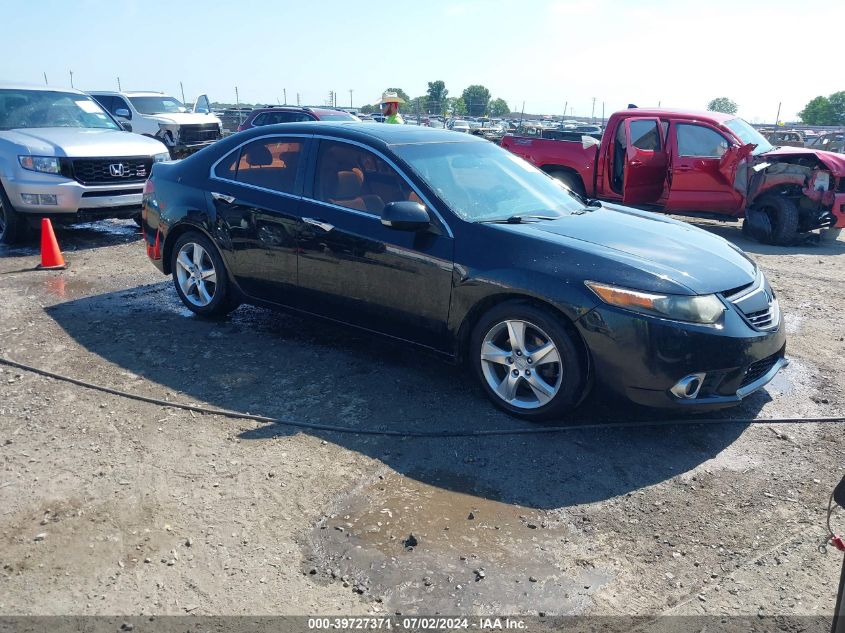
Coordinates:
[476,99]
[837,107]
[459,107]
[437,95]
[818,112]
[499,107]
[722,104]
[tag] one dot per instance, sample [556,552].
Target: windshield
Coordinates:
[483,182]
[49,108]
[157,105]
[748,134]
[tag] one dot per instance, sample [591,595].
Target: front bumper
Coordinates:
[641,358]
[72,197]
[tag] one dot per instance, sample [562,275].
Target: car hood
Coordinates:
[77,142]
[183,118]
[834,162]
[669,251]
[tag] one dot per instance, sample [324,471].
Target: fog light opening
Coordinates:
[688,387]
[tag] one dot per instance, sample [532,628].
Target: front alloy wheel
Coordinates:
[528,360]
[521,364]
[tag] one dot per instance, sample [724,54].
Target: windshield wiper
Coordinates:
[519,219]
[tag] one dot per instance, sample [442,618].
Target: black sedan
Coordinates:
[451,243]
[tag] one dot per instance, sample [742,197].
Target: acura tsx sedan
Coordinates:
[450,243]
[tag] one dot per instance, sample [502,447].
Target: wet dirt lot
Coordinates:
[114,506]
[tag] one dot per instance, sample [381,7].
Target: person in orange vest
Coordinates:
[390,108]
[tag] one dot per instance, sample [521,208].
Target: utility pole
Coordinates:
[71,78]
[593,113]
[350,99]
[602,113]
[238,106]
[297,99]
[45,79]
[119,89]
[565,105]
[777,118]
[182,88]
[285,93]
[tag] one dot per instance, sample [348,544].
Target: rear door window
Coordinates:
[272,118]
[269,163]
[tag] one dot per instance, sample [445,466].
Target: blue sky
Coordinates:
[544,52]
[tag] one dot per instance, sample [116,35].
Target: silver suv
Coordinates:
[63,157]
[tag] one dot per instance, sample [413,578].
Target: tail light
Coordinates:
[149,187]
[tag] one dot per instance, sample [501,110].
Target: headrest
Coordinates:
[258,156]
[348,185]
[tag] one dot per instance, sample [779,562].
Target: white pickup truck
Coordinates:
[63,157]
[165,118]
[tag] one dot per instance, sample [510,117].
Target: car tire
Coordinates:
[13,225]
[542,388]
[200,276]
[570,180]
[784,215]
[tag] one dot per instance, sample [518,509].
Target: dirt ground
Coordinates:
[114,506]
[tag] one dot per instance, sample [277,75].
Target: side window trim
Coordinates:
[307,142]
[308,191]
[307,172]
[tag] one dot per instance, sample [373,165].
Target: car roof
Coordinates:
[353,130]
[40,88]
[692,115]
[130,93]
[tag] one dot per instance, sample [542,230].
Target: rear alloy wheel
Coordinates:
[200,276]
[526,361]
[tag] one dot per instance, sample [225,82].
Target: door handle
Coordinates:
[222,197]
[636,163]
[683,168]
[323,225]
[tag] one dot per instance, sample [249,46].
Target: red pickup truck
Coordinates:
[699,163]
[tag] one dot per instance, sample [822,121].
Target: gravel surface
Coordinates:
[113,506]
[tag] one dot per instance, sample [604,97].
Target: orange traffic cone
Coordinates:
[51,255]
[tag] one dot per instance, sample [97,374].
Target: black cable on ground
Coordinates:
[532,430]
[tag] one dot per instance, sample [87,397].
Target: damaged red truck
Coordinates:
[703,164]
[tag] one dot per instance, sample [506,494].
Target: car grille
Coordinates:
[757,304]
[199,133]
[110,171]
[759,369]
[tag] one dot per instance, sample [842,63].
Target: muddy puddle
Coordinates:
[417,547]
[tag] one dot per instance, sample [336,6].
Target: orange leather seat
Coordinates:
[346,191]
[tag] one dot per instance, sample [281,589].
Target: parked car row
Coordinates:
[833,141]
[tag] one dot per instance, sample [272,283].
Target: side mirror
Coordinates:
[123,113]
[405,216]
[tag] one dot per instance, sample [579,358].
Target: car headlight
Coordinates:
[45,164]
[160,158]
[693,309]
